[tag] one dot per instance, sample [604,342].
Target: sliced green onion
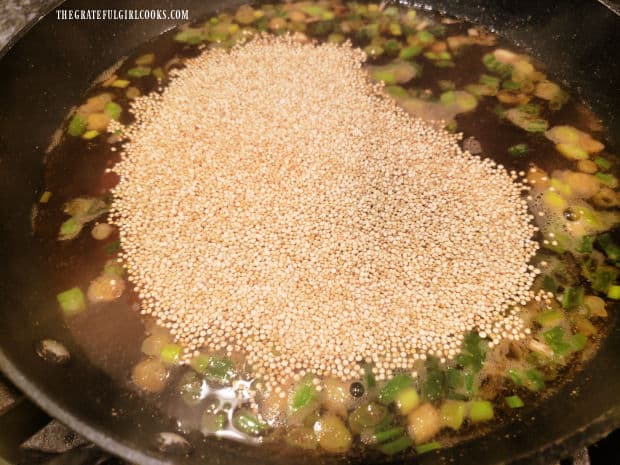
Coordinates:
[391,11]
[515,376]
[359,8]
[614,292]
[609,246]
[534,380]
[71,301]
[145,59]
[537,125]
[527,86]
[578,342]
[396,446]
[444,64]
[245,15]
[489,61]
[393,387]
[386,423]
[408,53]
[446,85]
[132,93]
[113,268]
[368,415]
[409,18]
[190,388]
[428,447]
[555,340]
[488,80]
[524,117]
[139,71]
[261,25]
[370,31]
[451,126]
[572,298]
[77,126]
[425,37]
[88,135]
[120,83]
[548,90]
[170,354]
[159,73]
[586,244]
[335,38]
[373,50]
[518,150]
[549,318]
[384,75]
[190,36]
[85,209]
[406,400]
[480,90]
[113,110]
[557,103]
[540,351]
[435,384]
[391,47]
[595,306]
[313,10]
[45,197]
[215,368]
[602,277]
[473,351]
[369,377]
[200,363]
[437,29]
[320,28]
[480,410]
[511,85]
[395,73]
[608,179]
[465,101]
[492,64]
[248,423]
[396,91]
[220,421]
[453,413]
[549,284]
[572,152]
[388,434]
[514,401]
[69,229]
[530,108]
[584,326]
[112,248]
[448,97]
[602,163]
[303,395]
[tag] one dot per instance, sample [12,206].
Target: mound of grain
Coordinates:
[273,201]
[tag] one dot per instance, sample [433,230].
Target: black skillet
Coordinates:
[48,68]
